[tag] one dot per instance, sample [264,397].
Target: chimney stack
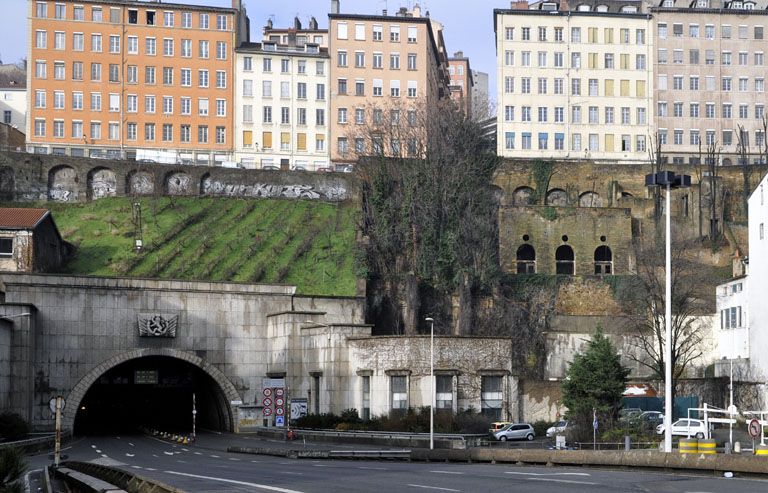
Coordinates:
[313,24]
[520,5]
[335,7]
[416,10]
[384,12]
[296,24]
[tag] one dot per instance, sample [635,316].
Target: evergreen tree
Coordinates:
[596,379]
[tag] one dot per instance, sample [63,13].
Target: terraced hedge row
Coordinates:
[307,243]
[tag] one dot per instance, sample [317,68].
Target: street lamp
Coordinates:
[431,382]
[671,181]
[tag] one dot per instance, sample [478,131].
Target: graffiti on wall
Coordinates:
[215,187]
[62,184]
[178,184]
[141,183]
[103,183]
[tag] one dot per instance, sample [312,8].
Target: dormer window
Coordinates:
[583,8]
[702,4]
[749,5]
[312,48]
[629,10]
[270,47]
[602,8]
[668,3]
[736,5]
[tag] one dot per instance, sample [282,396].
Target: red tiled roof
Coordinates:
[18,218]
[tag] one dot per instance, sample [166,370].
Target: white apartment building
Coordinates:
[281,106]
[758,283]
[13,96]
[574,83]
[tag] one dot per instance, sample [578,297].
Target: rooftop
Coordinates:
[12,76]
[21,218]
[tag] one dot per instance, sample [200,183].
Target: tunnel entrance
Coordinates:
[154,392]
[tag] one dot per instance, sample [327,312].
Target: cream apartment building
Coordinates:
[127,78]
[710,78]
[574,81]
[282,103]
[462,83]
[385,69]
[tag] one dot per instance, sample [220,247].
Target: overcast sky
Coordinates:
[468,24]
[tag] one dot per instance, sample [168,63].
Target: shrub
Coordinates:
[540,427]
[12,469]
[318,421]
[13,426]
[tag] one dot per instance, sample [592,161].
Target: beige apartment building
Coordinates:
[574,81]
[131,79]
[281,102]
[385,69]
[710,71]
[462,83]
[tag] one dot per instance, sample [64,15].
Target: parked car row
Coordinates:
[515,431]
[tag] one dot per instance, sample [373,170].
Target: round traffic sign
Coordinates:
[754,428]
[279,392]
[279,401]
[267,411]
[267,392]
[279,411]
[267,402]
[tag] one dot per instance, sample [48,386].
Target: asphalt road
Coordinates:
[207,468]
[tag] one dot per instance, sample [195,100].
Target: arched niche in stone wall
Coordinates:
[205,184]
[522,196]
[590,199]
[101,183]
[63,184]
[7,183]
[178,183]
[557,197]
[140,183]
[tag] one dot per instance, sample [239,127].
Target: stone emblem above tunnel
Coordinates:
[158,324]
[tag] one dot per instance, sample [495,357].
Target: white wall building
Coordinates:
[13,96]
[574,83]
[758,280]
[281,106]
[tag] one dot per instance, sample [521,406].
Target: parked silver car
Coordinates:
[515,431]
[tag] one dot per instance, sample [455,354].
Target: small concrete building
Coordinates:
[30,241]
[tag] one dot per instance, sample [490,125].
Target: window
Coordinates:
[709,110]
[491,396]
[412,61]
[167,132]
[202,134]
[203,21]
[726,84]
[221,22]
[39,127]
[394,88]
[168,19]
[77,129]
[59,40]
[444,392]
[58,128]
[60,11]
[394,34]
[167,105]
[168,76]
[509,140]
[221,135]
[398,389]
[114,44]
[202,78]
[150,46]
[41,10]
[167,47]
[58,100]
[609,114]
[526,34]
[593,115]
[59,71]
[394,61]
[662,30]
[564,259]
[186,19]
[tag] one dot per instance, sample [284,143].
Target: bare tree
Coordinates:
[742,149]
[711,162]
[429,212]
[647,302]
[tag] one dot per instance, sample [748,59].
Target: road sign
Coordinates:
[279,421]
[267,402]
[754,428]
[279,411]
[52,404]
[267,411]
[279,401]
[267,392]
[279,392]
[298,408]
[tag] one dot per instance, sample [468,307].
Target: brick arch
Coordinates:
[78,392]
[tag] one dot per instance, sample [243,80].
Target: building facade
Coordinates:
[282,101]
[710,80]
[384,69]
[574,83]
[13,96]
[132,79]
[462,83]
[481,101]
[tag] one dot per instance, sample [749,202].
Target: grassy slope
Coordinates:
[309,244]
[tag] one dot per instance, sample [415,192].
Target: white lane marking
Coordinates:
[293,473]
[320,465]
[255,461]
[155,455]
[98,451]
[548,473]
[104,455]
[372,468]
[168,453]
[137,467]
[151,469]
[184,449]
[566,481]
[130,455]
[430,487]
[198,453]
[132,445]
[215,456]
[285,463]
[232,481]
[93,446]
[447,472]
[234,458]
[182,461]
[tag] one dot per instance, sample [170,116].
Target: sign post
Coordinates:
[57,450]
[755,429]
[594,429]
[194,416]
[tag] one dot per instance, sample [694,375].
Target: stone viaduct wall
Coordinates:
[33,177]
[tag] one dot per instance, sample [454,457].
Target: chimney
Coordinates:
[335,7]
[458,54]
[384,12]
[296,24]
[520,5]
[416,10]
[269,24]
[313,24]
[237,4]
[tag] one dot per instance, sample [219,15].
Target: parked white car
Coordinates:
[686,428]
[558,428]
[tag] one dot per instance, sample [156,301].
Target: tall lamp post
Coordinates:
[670,181]
[431,382]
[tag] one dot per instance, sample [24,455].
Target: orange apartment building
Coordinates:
[385,69]
[461,81]
[132,79]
